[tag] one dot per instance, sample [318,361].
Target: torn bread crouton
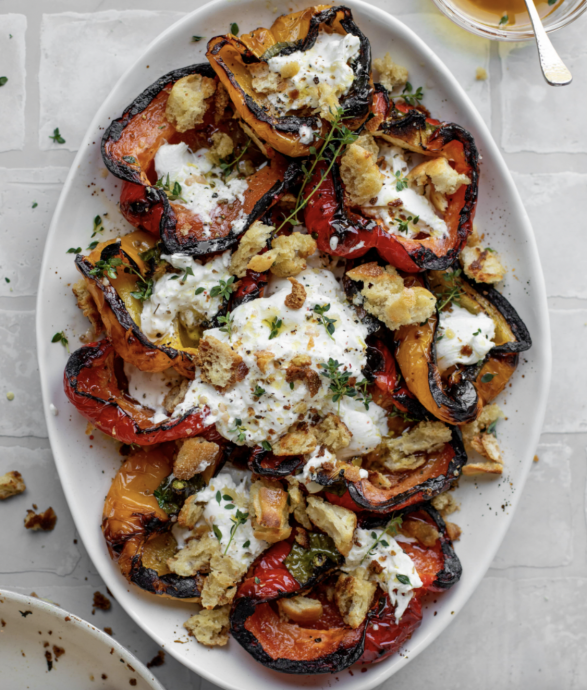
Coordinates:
[477,438]
[195,557]
[454,531]
[297,296]
[297,442]
[190,512]
[328,103]
[220,585]
[220,365]
[210,628]
[297,503]
[252,242]
[221,101]
[264,359]
[424,532]
[387,298]
[301,609]
[390,73]
[304,373]
[86,303]
[186,105]
[339,523]
[407,452]
[479,264]
[222,147]
[287,257]
[264,80]
[11,484]
[361,175]
[43,522]
[194,456]
[333,433]
[353,597]
[367,141]
[439,178]
[445,504]
[176,395]
[269,504]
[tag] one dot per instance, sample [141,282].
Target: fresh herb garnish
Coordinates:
[173,192]
[404,225]
[391,529]
[34,204]
[228,322]
[189,271]
[504,20]
[196,39]
[108,267]
[60,338]
[402,182]
[239,430]
[98,227]
[327,322]
[56,136]
[339,381]
[247,544]
[265,445]
[486,378]
[258,392]
[74,250]
[3,80]
[224,289]
[217,532]
[274,326]
[7,280]
[130,159]
[238,519]
[410,96]
[477,332]
[398,413]
[199,291]
[452,289]
[144,288]
[93,245]
[491,428]
[226,165]
[234,29]
[404,579]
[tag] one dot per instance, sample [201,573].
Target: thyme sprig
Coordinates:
[226,166]
[228,322]
[391,529]
[224,289]
[275,325]
[173,192]
[109,268]
[341,384]
[452,291]
[240,430]
[410,96]
[401,181]
[98,226]
[61,338]
[326,321]
[404,225]
[238,519]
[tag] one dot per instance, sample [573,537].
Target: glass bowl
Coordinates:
[564,14]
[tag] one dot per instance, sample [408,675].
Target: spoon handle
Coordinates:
[553,68]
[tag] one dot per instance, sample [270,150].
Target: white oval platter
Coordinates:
[87,466]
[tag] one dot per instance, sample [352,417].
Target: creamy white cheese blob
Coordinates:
[175,294]
[244,546]
[269,415]
[306,134]
[412,203]
[465,338]
[203,186]
[326,61]
[392,559]
[150,388]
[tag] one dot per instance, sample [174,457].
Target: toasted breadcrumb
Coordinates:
[195,557]
[339,523]
[297,442]
[387,298]
[297,296]
[210,628]
[101,602]
[220,365]
[86,303]
[361,176]
[425,533]
[476,438]
[289,70]
[221,101]
[252,242]
[195,454]
[353,597]
[297,502]
[445,504]
[439,172]
[368,142]
[287,257]
[222,147]
[220,585]
[264,80]
[479,264]
[176,395]
[333,433]
[264,359]
[44,522]
[480,74]
[11,484]
[186,105]
[269,502]
[390,73]
[454,531]
[406,452]
[190,512]
[303,373]
[301,609]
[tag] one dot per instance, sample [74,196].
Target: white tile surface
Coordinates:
[82,57]
[19,374]
[40,552]
[550,200]
[13,93]
[23,229]
[460,51]
[536,116]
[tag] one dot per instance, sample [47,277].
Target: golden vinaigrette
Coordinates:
[505,13]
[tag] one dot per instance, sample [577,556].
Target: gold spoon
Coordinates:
[553,68]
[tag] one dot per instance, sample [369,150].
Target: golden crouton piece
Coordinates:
[287,257]
[190,512]
[367,142]
[301,609]
[438,171]
[454,531]
[479,264]
[390,74]
[176,395]
[361,176]
[252,242]
[304,373]
[333,433]
[445,504]
[476,438]
[297,296]
[11,484]
[220,365]
[86,303]
[221,101]
[220,585]
[339,523]
[44,522]
[186,105]
[264,80]
[297,502]
[480,74]
[298,442]
[264,359]
[194,456]
[387,298]
[353,597]
[195,557]
[289,70]
[210,628]
[424,532]
[269,503]
[328,102]
[222,147]
[406,452]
